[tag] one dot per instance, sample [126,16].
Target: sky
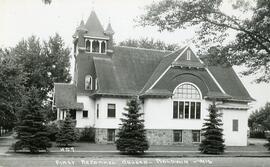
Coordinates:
[20,19]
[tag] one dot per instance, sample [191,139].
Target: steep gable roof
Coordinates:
[230,82]
[127,71]
[161,68]
[94,27]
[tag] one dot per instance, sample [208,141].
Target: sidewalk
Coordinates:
[109,150]
[5,143]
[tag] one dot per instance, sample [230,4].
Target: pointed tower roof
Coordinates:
[81,26]
[94,26]
[109,29]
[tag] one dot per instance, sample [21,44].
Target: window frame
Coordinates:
[197,101]
[235,125]
[181,138]
[83,116]
[193,131]
[109,109]
[97,111]
[197,116]
[113,136]
[91,82]
[188,55]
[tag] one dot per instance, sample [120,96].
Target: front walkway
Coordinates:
[109,150]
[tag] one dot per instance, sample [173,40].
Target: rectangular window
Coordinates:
[97,110]
[181,110]
[192,110]
[85,113]
[111,135]
[177,136]
[111,110]
[198,110]
[186,110]
[175,109]
[196,136]
[235,125]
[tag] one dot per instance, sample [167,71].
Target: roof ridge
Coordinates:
[131,47]
[162,60]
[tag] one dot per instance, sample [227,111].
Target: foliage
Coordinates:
[67,132]
[52,128]
[260,119]
[44,63]
[250,47]
[212,132]
[257,134]
[149,44]
[31,129]
[12,79]
[132,138]
[88,135]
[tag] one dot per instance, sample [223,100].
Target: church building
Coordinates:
[175,89]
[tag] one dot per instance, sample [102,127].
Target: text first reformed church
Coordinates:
[176,89]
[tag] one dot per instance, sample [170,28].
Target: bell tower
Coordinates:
[90,40]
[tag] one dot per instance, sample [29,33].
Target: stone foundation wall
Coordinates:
[165,137]
[101,136]
[154,136]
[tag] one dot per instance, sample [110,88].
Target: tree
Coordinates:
[67,132]
[132,138]
[31,129]
[250,47]
[212,132]
[149,44]
[44,63]
[12,79]
[258,120]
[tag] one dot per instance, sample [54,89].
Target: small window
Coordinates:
[95,46]
[85,114]
[186,110]
[175,109]
[88,82]
[111,135]
[192,110]
[103,46]
[196,136]
[198,110]
[235,125]
[96,84]
[87,46]
[177,136]
[188,55]
[111,110]
[97,110]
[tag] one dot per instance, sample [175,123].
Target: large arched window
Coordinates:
[187,91]
[87,45]
[95,46]
[186,102]
[88,82]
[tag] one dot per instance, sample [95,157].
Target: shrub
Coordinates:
[67,134]
[53,129]
[257,134]
[87,135]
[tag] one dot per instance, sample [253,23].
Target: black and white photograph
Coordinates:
[134,83]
